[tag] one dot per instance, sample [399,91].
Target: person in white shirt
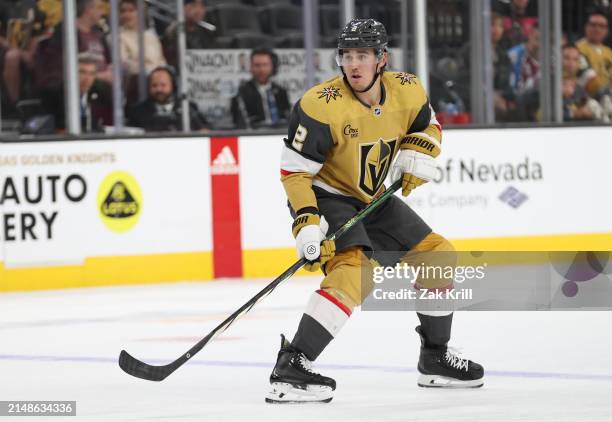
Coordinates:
[128,37]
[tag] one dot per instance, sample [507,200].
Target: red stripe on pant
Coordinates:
[335,301]
[225,188]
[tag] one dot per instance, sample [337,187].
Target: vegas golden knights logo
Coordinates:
[374,163]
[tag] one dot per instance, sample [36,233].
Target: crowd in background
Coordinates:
[31,66]
[586,65]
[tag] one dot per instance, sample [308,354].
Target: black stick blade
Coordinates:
[139,369]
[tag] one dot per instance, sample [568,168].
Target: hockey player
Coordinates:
[343,136]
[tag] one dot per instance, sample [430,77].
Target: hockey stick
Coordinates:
[145,371]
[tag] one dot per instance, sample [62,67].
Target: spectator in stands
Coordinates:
[52,10]
[598,56]
[525,77]
[128,36]
[575,66]
[161,112]
[577,105]
[525,63]
[504,98]
[153,55]
[94,104]
[50,52]
[517,20]
[91,38]
[22,24]
[49,55]
[260,101]
[196,36]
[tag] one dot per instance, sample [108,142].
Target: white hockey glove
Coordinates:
[415,168]
[309,231]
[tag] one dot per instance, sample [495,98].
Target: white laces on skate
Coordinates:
[305,364]
[453,359]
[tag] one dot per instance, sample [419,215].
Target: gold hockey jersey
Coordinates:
[346,147]
[599,58]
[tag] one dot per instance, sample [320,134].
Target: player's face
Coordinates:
[360,65]
[596,29]
[160,88]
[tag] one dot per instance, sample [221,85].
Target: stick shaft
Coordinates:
[140,369]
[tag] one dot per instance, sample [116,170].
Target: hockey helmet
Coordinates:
[363,33]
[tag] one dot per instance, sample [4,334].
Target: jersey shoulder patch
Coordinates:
[405,88]
[404,78]
[324,98]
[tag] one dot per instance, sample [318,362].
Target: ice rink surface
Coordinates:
[63,345]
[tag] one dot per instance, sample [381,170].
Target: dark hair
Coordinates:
[132,2]
[82,5]
[596,11]
[169,70]
[265,51]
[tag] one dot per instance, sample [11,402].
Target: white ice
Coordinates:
[63,345]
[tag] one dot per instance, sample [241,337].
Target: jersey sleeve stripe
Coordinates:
[434,121]
[293,162]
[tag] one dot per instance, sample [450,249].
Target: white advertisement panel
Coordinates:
[266,222]
[491,183]
[213,76]
[519,182]
[64,201]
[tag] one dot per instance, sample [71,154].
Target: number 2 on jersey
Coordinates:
[299,138]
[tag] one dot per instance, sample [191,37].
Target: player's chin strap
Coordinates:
[371,83]
[379,73]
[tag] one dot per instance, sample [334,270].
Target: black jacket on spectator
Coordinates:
[99,110]
[252,107]
[502,69]
[146,115]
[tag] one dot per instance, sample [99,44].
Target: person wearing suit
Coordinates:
[161,111]
[260,102]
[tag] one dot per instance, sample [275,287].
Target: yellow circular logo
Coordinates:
[119,201]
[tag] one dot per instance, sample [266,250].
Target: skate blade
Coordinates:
[437,381]
[287,393]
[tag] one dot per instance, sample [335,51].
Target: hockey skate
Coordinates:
[293,381]
[442,368]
